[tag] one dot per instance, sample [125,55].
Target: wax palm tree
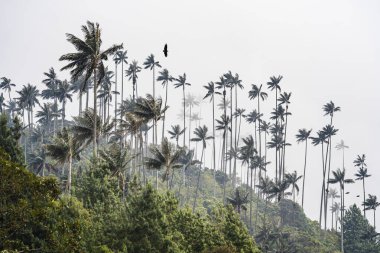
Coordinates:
[152,64]
[321,139]
[274,84]
[284,99]
[333,194]
[303,136]
[176,132]
[201,135]
[341,146]
[191,101]
[246,152]
[165,78]
[371,204]
[239,200]
[2,102]
[292,179]
[88,60]
[149,109]
[105,94]
[64,94]
[6,85]
[210,88]
[278,189]
[64,149]
[181,82]
[339,176]
[166,157]
[265,126]
[51,81]
[120,57]
[117,160]
[46,115]
[131,73]
[83,130]
[223,124]
[362,173]
[330,109]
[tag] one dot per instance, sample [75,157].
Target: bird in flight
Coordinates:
[166,50]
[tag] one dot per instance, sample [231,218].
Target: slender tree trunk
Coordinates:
[323,188]
[69,176]
[304,174]
[341,221]
[80,102]
[95,151]
[122,81]
[87,97]
[213,142]
[163,121]
[116,95]
[374,219]
[184,116]
[250,204]
[364,197]
[235,143]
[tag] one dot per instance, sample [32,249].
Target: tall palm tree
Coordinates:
[164,77]
[176,132]
[285,99]
[149,109]
[371,203]
[303,136]
[167,158]
[330,109]
[201,135]
[131,73]
[181,82]
[117,160]
[88,60]
[38,163]
[46,115]
[51,81]
[265,126]
[152,64]
[64,149]
[12,107]
[6,85]
[223,124]
[339,176]
[341,146]
[333,194]
[362,173]
[105,94]
[64,93]
[80,86]
[191,101]
[274,84]
[1,103]
[210,88]
[239,200]
[120,57]
[292,179]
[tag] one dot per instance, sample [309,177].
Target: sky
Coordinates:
[326,51]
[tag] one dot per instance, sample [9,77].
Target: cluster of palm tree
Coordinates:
[123,134]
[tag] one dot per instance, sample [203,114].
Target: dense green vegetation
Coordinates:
[93,182]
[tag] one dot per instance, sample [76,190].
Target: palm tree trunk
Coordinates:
[213,141]
[235,144]
[87,97]
[341,220]
[374,219]
[122,81]
[230,160]
[364,197]
[116,94]
[63,112]
[163,121]
[304,174]
[198,180]
[69,176]
[250,205]
[184,116]
[80,102]
[323,188]
[95,116]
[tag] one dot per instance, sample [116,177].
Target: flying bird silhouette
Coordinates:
[166,50]
[358,196]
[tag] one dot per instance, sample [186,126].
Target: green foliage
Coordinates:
[9,137]
[359,235]
[33,217]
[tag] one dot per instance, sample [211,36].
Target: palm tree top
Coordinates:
[120,57]
[201,134]
[330,108]
[303,135]
[6,84]
[164,77]
[284,98]
[339,176]
[320,139]
[361,174]
[360,161]
[89,56]
[256,92]
[274,82]
[371,202]
[210,87]
[181,81]
[341,145]
[233,80]
[151,63]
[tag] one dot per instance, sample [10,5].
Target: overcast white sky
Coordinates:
[326,50]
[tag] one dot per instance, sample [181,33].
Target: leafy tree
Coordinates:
[10,137]
[356,231]
[88,60]
[239,200]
